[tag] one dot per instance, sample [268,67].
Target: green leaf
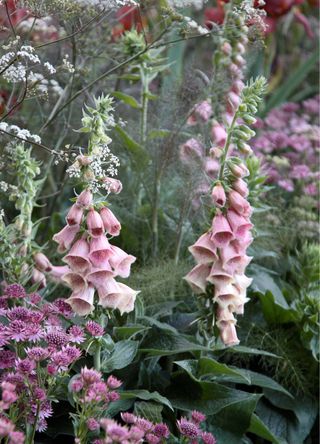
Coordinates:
[159,133]
[149,410]
[250,351]
[275,313]
[258,427]
[130,331]
[123,354]
[210,367]
[135,149]
[129,100]
[146,396]
[293,82]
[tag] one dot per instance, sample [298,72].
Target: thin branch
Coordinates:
[18,103]
[9,18]
[39,145]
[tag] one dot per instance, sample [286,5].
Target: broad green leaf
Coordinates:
[134,148]
[258,427]
[210,367]
[128,332]
[123,354]
[149,410]
[146,396]
[128,100]
[275,313]
[249,351]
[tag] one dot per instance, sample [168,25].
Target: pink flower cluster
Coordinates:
[288,142]
[35,348]
[221,257]
[90,388]
[7,427]
[191,431]
[92,262]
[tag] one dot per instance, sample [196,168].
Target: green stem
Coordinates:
[227,146]
[33,432]
[97,358]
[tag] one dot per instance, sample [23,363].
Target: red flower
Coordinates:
[16,14]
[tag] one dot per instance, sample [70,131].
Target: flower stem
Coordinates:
[97,358]
[227,146]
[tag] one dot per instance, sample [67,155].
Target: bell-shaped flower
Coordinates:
[230,257]
[120,261]
[78,257]
[218,276]
[100,252]
[75,281]
[239,224]
[242,265]
[82,302]
[218,195]
[84,200]
[110,222]
[94,223]
[112,185]
[65,237]
[221,231]
[204,250]
[242,244]
[192,150]
[239,203]
[42,262]
[226,296]
[118,296]
[196,278]
[74,216]
[228,333]
[98,278]
[57,272]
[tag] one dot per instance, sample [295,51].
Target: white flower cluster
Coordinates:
[40,85]
[107,4]
[19,132]
[198,4]
[67,65]
[195,27]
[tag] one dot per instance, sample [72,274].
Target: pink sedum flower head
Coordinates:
[204,250]
[82,302]
[65,237]
[110,222]
[218,195]
[221,231]
[78,257]
[74,216]
[95,224]
[196,278]
[121,262]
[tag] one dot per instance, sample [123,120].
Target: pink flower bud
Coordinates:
[239,170]
[38,278]
[42,262]
[84,160]
[241,187]
[226,48]
[218,195]
[110,222]
[219,135]
[74,215]
[216,152]
[84,200]
[57,272]
[95,223]
[237,86]
[114,185]
[234,100]
[239,203]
